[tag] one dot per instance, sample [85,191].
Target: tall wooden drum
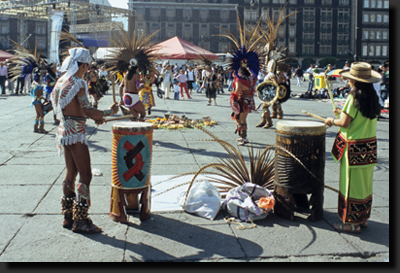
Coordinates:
[132,147]
[306,141]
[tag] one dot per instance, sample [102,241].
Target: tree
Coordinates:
[328,60]
[307,62]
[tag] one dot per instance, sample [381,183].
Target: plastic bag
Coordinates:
[241,202]
[203,200]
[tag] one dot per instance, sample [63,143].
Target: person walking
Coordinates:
[191,78]
[182,78]
[3,77]
[299,75]
[166,83]
[355,147]
[208,84]
[310,72]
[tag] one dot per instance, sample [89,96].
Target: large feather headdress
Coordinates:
[246,47]
[204,60]
[268,39]
[135,52]
[65,37]
[26,61]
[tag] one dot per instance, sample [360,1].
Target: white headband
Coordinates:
[76,54]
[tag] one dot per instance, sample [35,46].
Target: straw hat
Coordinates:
[362,72]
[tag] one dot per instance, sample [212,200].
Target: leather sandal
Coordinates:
[347,228]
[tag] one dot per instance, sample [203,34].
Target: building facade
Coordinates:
[319,29]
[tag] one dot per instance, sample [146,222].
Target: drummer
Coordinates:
[71,105]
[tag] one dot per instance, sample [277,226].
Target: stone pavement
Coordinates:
[31,176]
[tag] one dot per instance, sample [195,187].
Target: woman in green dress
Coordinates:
[355,147]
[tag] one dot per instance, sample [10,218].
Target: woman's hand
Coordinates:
[337,111]
[328,121]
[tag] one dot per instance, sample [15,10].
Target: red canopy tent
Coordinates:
[5,55]
[177,48]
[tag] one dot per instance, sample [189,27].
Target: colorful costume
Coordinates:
[356,149]
[70,130]
[146,94]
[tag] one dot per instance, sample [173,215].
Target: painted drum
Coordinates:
[306,141]
[132,146]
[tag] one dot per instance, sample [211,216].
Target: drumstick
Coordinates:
[118,118]
[333,101]
[313,115]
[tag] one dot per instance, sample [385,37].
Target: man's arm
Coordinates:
[90,111]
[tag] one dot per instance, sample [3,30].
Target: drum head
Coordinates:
[130,126]
[300,127]
[284,92]
[268,91]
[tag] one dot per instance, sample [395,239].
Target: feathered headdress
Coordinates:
[27,61]
[67,37]
[268,39]
[246,48]
[135,52]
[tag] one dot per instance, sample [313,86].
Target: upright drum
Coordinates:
[306,141]
[132,146]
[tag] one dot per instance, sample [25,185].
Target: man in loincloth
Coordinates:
[72,107]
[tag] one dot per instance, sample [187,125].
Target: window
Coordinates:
[154,14]
[274,1]
[344,2]
[378,35]
[386,18]
[204,15]
[224,15]
[4,28]
[326,2]
[309,2]
[40,28]
[379,4]
[365,18]
[378,51]
[282,31]
[373,4]
[365,34]
[364,50]
[170,30]
[372,35]
[384,35]
[204,32]
[140,13]
[4,43]
[366,4]
[379,18]
[41,43]
[385,6]
[325,49]
[342,49]
[224,47]
[170,12]
[371,51]
[308,49]
[187,31]
[384,50]
[292,31]
[372,18]
[187,14]
[292,47]
[294,2]
[264,13]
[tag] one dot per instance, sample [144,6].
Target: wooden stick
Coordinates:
[313,115]
[333,101]
[119,118]
[113,86]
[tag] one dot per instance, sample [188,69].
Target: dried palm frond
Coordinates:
[128,52]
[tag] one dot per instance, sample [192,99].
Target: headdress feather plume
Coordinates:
[128,52]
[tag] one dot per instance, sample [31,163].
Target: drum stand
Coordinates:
[123,199]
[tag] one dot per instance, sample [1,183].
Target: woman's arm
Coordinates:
[344,121]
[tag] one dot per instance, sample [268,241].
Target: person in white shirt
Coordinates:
[166,84]
[346,66]
[191,78]
[310,72]
[182,78]
[176,89]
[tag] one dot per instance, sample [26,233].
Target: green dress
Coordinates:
[358,158]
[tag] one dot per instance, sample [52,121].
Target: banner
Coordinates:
[56,25]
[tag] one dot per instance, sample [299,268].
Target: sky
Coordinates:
[119,3]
